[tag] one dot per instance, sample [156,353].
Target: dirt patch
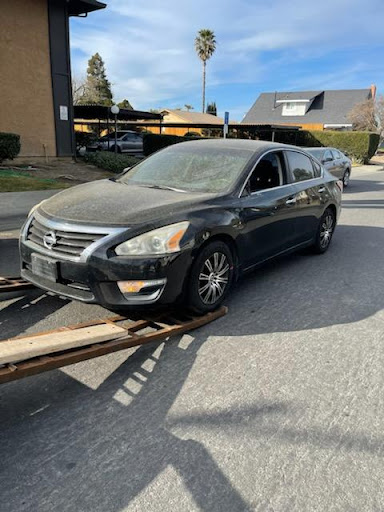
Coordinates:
[65,170]
[377,159]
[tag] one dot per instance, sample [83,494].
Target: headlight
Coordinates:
[164,240]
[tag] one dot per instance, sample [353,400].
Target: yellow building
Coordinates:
[185,117]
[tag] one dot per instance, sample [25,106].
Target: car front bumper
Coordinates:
[96,280]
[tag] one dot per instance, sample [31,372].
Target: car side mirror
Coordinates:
[325,160]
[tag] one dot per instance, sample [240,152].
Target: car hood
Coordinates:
[107,202]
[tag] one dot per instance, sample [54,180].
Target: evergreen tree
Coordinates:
[97,88]
[212,109]
[125,104]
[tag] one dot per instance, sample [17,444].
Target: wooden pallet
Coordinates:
[13,284]
[139,332]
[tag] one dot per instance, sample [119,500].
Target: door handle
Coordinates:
[321,190]
[291,200]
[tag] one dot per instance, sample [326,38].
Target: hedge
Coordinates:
[9,146]
[109,161]
[360,146]
[153,142]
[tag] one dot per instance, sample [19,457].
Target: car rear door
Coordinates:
[267,211]
[306,175]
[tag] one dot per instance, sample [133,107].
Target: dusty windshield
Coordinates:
[190,169]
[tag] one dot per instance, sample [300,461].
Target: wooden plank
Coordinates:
[42,364]
[15,350]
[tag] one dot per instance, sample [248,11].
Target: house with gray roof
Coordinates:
[312,110]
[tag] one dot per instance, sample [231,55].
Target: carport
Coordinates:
[100,117]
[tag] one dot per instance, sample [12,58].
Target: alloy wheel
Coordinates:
[326,230]
[213,278]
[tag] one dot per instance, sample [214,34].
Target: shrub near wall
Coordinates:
[153,142]
[9,146]
[110,161]
[361,146]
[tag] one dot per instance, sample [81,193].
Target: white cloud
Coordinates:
[150,58]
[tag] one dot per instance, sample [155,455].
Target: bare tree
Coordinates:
[78,89]
[188,107]
[368,116]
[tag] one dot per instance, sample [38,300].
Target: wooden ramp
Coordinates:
[13,284]
[29,355]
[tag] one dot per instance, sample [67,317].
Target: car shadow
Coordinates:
[98,448]
[356,186]
[26,310]
[364,203]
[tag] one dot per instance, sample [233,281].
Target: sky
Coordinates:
[262,46]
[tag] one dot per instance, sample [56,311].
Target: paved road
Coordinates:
[14,207]
[276,407]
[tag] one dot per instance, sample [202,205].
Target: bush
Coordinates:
[110,161]
[84,139]
[153,142]
[9,146]
[192,134]
[360,146]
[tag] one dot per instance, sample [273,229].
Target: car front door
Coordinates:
[267,211]
[328,161]
[311,193]
[339,164]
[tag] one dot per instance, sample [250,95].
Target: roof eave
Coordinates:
[78,7]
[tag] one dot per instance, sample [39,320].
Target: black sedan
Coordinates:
[180,226]
[335,162]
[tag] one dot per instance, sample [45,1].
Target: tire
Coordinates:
[346,177]
[325,231]
[112,149]
[211,278]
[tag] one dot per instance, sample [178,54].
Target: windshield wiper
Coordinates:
[165,187]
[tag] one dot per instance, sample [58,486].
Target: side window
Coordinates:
[268,173]
[317,169]
[127,137]
[336,154]
[300,166]
[327,156]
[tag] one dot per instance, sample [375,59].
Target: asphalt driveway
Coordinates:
[276,407]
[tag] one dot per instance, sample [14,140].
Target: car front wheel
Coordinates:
[211,278]
[325,231]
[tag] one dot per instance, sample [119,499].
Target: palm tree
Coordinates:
[205,45]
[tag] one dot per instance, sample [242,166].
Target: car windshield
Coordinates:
[206,169]
[317,153]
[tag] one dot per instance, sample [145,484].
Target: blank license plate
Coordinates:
[44,267]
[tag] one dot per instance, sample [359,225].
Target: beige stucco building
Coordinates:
[35,79]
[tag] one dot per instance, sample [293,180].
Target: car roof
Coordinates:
[256,146]
[322,148]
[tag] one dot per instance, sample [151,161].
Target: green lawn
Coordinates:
[13,181]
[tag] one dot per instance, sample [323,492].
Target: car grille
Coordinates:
[69,244]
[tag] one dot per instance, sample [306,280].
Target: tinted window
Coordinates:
[300,166]
[317,169]
[268,173]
